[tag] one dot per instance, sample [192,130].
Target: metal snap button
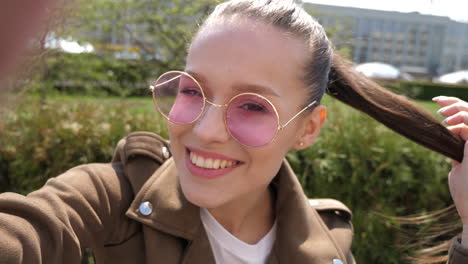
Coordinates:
[165,152]
[146,208]
[337,261]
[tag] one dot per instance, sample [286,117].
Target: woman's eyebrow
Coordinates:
[247,87]
[197,76]
[239,87]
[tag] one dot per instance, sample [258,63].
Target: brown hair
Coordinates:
[328,72]
[427,237]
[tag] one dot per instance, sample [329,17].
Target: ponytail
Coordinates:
[394,111]
[412,121]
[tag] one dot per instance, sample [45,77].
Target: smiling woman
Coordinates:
[255,74]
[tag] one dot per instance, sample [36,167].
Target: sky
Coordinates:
[455,9]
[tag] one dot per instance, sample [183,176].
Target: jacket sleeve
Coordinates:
[81,208]
[457,253]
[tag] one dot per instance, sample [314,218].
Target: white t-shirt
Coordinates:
[229,249]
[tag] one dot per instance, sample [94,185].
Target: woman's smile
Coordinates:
[209,165]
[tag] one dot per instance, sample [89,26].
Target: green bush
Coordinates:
[41,141]
[427,90]
[355,160]
[91,74]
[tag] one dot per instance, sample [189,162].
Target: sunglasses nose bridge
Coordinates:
[207,125]
[216,105]
[213,104]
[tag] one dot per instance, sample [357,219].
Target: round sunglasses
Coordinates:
[250,118]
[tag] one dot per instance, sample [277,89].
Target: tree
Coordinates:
[158,31]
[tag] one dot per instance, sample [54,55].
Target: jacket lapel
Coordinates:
[172,214]
[302,236]
[199,250]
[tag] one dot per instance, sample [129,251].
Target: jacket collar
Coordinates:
[171,212]
[302,236]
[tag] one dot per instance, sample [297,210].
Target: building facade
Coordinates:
[424,45]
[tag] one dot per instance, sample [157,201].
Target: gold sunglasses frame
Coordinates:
[205,100]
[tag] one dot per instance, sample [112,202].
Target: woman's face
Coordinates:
[228,59]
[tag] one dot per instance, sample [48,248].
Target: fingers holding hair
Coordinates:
[446,100]
[460,130]
[458,118]
[455,109]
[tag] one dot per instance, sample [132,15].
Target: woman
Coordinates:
[255,74]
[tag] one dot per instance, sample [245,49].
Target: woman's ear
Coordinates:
[310,128]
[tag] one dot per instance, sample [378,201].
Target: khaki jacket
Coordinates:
[99,206]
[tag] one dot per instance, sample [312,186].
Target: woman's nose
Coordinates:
[210,127]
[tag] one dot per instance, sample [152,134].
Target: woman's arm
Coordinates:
[82,208]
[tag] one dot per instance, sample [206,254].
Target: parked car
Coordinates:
[459,77]
[378,70]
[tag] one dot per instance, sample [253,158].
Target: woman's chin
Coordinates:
[202,197]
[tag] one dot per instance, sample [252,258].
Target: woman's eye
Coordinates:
[191,92]
[253,107]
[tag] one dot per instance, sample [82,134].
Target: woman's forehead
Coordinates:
[247,51]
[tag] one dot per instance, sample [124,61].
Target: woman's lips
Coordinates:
[211,155]
[209,173]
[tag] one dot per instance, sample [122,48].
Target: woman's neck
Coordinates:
[249,218]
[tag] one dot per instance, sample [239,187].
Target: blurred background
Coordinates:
[83,85]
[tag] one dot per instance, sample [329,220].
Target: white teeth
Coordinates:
[216,164]
[200,162]
[223,164]
[210,163]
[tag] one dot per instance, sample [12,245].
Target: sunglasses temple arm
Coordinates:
[300,112]
[153,87]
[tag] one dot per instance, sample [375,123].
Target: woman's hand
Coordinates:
[456,112]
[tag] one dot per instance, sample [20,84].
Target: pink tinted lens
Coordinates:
[251,120]
[178,97]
